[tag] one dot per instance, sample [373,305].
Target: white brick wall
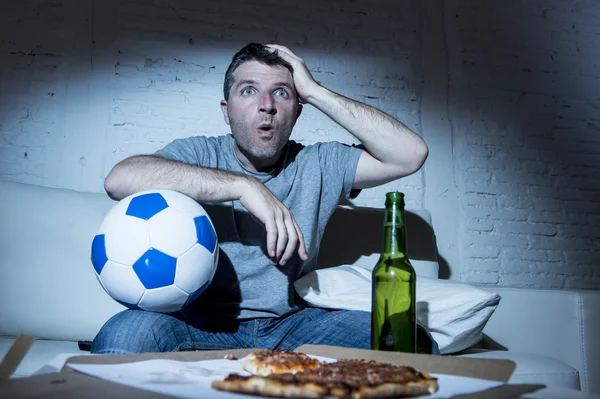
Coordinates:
[523,96]
[505,96]
[128,77]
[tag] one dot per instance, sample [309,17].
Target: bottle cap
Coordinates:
[394,197]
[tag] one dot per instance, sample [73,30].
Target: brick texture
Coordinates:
[153,71]
[523,102]
[85,84]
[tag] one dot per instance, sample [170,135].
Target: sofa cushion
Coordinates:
[536,369]
[343,246]
[454,313]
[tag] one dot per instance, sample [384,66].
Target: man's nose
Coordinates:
[267,105]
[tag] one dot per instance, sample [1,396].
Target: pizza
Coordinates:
[267,362]
[354,379]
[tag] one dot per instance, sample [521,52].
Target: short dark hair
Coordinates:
[252,52]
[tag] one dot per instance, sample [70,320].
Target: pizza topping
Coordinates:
[296,375]
[349,373]
[266,362]
[365,372]
[279,357]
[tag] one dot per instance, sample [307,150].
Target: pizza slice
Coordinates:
[354,379]
[267,362]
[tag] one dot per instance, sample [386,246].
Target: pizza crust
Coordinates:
[256,385]
[393,390]
[267,362]
[353,379]
[262,386]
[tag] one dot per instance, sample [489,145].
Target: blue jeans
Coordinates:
[137,331]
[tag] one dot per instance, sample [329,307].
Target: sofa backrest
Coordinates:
[48,288]
[354,236]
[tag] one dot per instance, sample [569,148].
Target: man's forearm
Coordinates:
[385,138]
[147,172]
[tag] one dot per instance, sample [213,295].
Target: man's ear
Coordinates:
[299,110]
[225,111]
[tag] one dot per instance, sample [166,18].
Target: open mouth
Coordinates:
[265,128]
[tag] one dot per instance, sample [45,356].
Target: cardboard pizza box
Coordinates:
[69,383]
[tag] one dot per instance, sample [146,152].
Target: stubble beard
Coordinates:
[249,144]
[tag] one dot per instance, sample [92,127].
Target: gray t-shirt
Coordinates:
[310,181]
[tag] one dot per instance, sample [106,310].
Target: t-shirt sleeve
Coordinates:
[191,150]
[339,162]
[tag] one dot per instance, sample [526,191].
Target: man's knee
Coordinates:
[348,328]
[133,331]
[356,319]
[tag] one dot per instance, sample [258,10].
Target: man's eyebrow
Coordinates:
[253,82]
[245,82]
[284,84]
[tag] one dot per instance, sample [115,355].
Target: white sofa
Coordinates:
[48,289]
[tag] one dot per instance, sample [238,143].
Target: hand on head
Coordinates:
[303,80]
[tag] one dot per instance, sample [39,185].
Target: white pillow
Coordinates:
[454,313]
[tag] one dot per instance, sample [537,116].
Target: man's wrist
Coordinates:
[318,94]
[240,185]
[215,185]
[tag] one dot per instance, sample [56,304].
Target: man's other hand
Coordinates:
[283,233]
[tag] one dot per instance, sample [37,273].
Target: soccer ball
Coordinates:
[155,250]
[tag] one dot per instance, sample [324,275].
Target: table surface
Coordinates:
[546,393]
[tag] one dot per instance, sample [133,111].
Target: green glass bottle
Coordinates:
[393,316]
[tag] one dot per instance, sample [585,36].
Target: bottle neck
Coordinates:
[394,239]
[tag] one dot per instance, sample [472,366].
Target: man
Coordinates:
[269,199]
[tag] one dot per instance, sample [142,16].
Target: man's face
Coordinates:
[262,110]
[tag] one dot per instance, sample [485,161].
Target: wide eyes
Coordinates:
[282,93]
[248,91]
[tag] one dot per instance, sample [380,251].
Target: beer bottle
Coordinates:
[393,316]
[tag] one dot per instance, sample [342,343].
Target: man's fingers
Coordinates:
[282,237]
[283,51]
[280,226]
[271,228]
[278,47]
[292,242]
[301,246]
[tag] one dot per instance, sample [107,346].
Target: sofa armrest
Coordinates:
[563,324]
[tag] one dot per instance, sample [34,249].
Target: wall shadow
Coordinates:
[522,101]
[357,232]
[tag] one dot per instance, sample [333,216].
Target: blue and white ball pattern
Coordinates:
[155,250]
